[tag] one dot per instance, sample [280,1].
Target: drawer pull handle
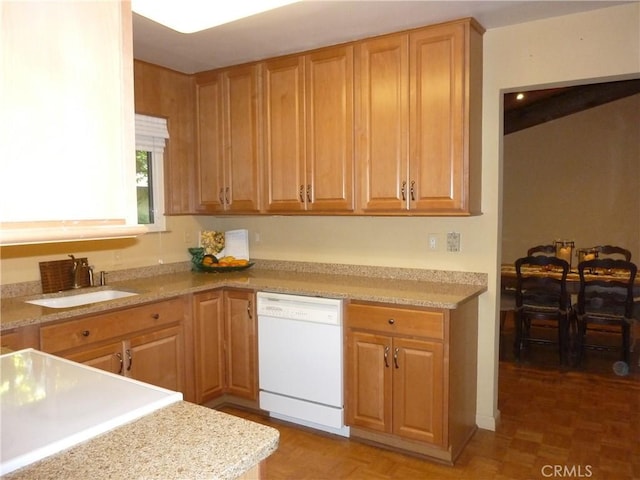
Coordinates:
[155,316]
[386,357]
[391,321]
[301,193]
[119,357]
[249,307]
[403,191]
[129,359]
[395,357]
[86,333]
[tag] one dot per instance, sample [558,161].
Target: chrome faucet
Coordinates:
[76,270]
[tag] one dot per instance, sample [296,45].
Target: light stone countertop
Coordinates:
[185,440]
[180,441]
[421,288]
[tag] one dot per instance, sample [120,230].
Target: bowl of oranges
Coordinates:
[202,262]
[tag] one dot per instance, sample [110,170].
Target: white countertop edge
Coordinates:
[91,432]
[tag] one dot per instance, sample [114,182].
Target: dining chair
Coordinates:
[612,251]
[542,302]
[605,305]
[542,249]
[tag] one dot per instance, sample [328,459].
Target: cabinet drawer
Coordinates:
[88,330]
[392,320]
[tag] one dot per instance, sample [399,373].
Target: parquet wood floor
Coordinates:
[555,423]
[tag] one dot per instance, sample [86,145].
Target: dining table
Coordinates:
[508,278]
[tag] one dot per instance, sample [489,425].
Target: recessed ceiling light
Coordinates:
[520,96]
[189,16]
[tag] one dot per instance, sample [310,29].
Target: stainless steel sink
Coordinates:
[81,298]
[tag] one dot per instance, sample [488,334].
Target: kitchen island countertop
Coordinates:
[180,441]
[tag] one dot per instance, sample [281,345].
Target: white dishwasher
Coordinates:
[300,360]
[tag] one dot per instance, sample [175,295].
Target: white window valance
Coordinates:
[151,132]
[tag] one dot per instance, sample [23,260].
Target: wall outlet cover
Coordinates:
[453,242]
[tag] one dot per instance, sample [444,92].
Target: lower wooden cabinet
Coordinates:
[226,348]
[146,343]
[20,338]
[402,388]
[396,386]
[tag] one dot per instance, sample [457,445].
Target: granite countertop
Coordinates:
[182,440]
[407,287]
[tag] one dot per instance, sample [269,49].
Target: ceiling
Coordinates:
[311,23]
[540,106]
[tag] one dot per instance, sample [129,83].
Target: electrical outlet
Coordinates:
[453,242]
[117,258]
[433,241]
[257,237]
[188,237]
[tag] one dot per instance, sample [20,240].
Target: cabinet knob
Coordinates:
[155,316]
[86,333]
[391,321]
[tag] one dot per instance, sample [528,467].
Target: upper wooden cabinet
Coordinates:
[418,121]
[308,132]
[382,109]
[228,141]
[384,126]
[284,129]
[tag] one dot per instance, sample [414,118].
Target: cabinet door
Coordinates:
[438,161]
[209,173]
[382,109]
[241,344]
[418,390]
[209,354]
[107,357]
[329,129]
[241,139]
[157,358]
[284,149]
[369,381]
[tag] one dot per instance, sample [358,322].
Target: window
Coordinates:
[151,134]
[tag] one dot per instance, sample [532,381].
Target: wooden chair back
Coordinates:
[542,300]
[549,250]
[613,251]
[605,301]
